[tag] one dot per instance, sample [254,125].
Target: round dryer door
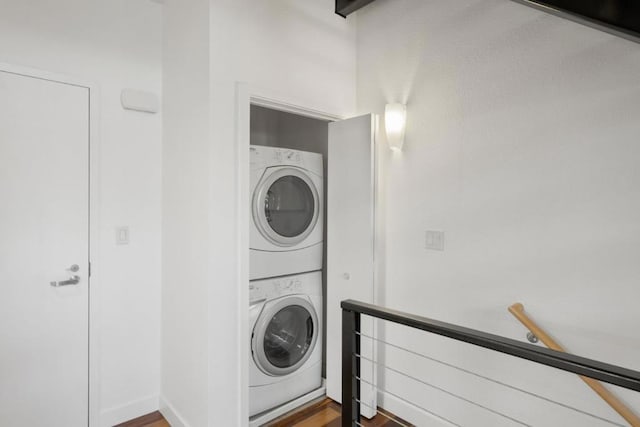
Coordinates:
[286,206]
[285,335]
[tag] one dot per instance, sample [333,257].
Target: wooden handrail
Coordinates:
[517,310]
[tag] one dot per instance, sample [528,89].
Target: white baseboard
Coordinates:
[410,413]
[129,411]
[287,407]
[172,416]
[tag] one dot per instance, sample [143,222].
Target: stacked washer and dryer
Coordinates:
[285,291]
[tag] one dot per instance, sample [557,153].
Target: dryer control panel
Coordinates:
[262,157]
[288,156]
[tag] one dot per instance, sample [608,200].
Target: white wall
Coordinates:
[295,52]
[115,44]
[291,51]
[186,257]
[522,145]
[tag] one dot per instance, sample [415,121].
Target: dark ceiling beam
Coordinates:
[345,7]
[618,17]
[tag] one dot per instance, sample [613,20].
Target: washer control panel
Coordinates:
[308,284]
[268,289]
[288,286]
[274,288]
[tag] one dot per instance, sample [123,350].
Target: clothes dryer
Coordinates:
[286,235]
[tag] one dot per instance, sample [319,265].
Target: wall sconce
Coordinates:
[395,120]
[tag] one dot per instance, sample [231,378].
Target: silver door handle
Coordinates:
[73,280]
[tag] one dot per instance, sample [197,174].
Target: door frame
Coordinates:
[93,386]
[245,96]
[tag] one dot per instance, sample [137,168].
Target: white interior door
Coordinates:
[44,231]
[350,245]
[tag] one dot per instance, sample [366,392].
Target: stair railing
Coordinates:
[351,357]
[517,310]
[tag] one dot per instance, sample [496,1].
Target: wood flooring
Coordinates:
[326,413]
[321,413]
[154,419]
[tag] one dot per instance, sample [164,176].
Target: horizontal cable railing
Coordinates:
[353,380]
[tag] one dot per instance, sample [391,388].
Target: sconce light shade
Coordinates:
[395,120]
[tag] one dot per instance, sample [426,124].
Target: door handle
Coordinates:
[73,280]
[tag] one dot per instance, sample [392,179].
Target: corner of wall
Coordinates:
[120,414]
[173,417]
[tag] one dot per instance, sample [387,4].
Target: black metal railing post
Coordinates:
[350,368]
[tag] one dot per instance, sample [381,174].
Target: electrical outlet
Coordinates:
[434,240]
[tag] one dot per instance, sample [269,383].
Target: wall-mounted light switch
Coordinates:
[122,235]
[434,240]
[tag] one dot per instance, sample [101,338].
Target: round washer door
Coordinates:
[286,206]
[285,335]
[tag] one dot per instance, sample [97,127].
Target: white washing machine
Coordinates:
[285,321]
[286,234]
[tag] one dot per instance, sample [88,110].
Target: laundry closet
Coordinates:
[287,268]
[311,245]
